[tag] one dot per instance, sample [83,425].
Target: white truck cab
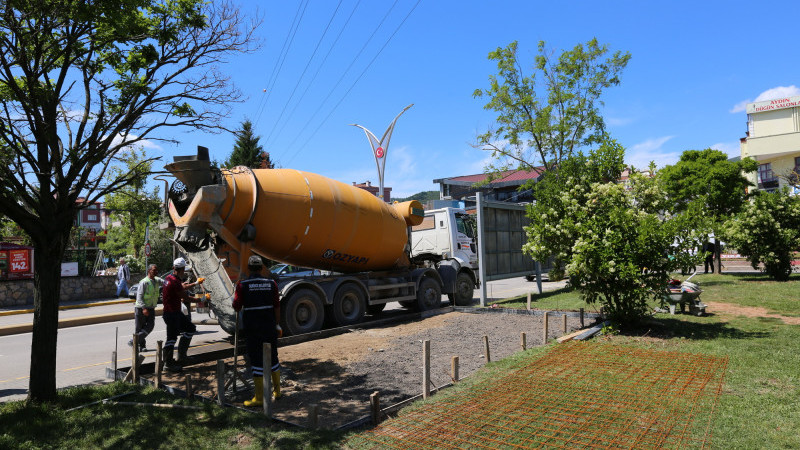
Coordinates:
[448,233]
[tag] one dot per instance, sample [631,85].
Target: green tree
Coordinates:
[559,191]
[247,151]
[9,228]
[709,177]
[132,207]
[767,231]
[617,247]
[80,82]
[548,114]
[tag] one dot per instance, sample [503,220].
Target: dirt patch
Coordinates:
[728,309]
[339,373]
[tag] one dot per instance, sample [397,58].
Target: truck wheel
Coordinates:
[464,290]
[429,295]
[302,312]
[374,310]
[348,305]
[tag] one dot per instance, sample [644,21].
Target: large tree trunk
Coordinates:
[47,290]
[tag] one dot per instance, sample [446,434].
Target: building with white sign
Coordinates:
[773,139]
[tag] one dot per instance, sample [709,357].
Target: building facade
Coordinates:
[773,139]
[504,188]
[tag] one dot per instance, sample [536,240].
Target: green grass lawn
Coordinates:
[759,406]
[123,427]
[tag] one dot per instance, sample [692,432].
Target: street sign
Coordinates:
[147,249]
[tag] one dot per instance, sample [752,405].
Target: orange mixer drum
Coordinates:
[309,220]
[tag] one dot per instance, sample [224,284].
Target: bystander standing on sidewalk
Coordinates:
[123,278]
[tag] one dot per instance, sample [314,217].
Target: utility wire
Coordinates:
[313,78]
[354,83]
[282,57]
[338,82]
[299,79]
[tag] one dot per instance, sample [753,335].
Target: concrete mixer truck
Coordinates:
[371,253]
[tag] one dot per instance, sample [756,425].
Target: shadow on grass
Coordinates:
[668,328]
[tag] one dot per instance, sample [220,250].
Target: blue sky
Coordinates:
[694,65]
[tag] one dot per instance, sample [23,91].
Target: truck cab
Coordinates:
[446,233]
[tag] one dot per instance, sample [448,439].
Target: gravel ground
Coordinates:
[339,373]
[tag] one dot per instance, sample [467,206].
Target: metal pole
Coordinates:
[481,250]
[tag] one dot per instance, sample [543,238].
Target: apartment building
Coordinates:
[773,139]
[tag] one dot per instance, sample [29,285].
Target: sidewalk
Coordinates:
[17,320]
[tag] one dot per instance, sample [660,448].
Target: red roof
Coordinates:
[504,177]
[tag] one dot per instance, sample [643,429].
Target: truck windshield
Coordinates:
[465,224]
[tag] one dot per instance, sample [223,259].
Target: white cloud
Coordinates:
[124,139]
[769,94]
[617,121]
[640,155]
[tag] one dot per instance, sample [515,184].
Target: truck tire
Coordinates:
[348,306]
[464,290]
[302,312]
[374,310]
[429,295]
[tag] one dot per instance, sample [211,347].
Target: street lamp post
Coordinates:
[380,148]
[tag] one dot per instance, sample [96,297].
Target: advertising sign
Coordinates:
[18,261]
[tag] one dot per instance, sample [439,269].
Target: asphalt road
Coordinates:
[85,351]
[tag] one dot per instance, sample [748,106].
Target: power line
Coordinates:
[299,79]
[319,68]
[356,81]
[339,81]
[282,56]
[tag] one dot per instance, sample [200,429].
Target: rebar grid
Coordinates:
[590,395]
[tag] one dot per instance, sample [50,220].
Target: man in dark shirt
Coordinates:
[258,297]
[173,294]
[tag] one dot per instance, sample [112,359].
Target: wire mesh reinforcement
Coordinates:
[577,395]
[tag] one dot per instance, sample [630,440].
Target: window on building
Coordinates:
[766,177]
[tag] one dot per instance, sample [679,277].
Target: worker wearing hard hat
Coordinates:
[174,294]
[258,298]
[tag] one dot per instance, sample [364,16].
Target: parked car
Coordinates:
[288,270]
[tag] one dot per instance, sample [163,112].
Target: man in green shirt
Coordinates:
[145,306]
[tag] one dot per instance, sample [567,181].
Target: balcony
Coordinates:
[768,147]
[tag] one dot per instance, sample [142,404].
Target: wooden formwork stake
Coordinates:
[159,363]
[454,368]
[375,407]
[426,369]
[486,349]
[189,387]
[267,379]
[544,327]
[221,382]
[135,359]
[565,323]
[313,416]
[581,317]
[523,341]
[529,301]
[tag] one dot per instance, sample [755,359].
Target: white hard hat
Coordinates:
[179,263]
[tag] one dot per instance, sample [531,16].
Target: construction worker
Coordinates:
[144,310]
[258,298]
[174,294]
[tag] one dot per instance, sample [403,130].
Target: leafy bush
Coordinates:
[767,231]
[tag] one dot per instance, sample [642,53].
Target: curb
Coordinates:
[62,308]
[72,322]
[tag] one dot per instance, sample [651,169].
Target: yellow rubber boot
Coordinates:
[258,398]
[276,383]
